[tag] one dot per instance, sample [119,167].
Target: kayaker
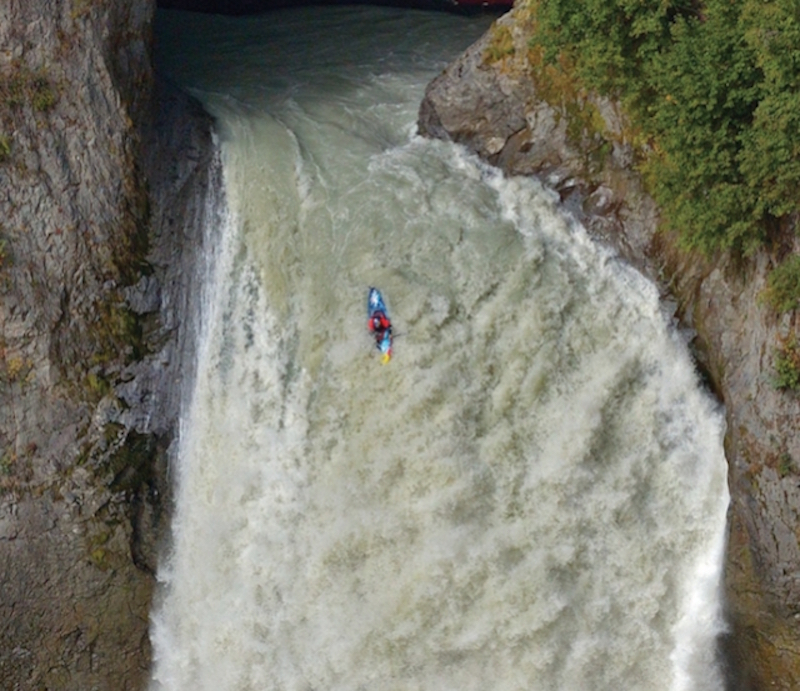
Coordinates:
[379,324]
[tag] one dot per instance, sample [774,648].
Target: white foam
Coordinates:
[530,495]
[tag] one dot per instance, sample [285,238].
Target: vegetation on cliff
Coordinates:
[712,92]
[20,87]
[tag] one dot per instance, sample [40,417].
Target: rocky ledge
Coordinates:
[487,101]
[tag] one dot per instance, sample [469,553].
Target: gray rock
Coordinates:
[100,244]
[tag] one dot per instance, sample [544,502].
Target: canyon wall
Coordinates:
[104,180]
[106,183]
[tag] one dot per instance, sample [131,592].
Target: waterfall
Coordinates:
[530,495]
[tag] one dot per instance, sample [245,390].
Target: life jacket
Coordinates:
[378,322]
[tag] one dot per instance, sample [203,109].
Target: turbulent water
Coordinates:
[530,495]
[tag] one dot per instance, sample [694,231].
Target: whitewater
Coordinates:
[530,495]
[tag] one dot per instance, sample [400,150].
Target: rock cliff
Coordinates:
[106,183]
[487,101]
[104,180]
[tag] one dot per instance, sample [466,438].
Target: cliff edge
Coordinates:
[104,180]
[487,101]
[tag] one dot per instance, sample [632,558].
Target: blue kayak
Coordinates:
[379,323]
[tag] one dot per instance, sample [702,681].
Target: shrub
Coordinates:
[711,87]
[783,286]
[787,365]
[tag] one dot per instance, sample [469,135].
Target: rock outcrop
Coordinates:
[487,101]
[104,182]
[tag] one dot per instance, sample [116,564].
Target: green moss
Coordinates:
[5,257]
[98,558]
[5,147]
[113,335]
[133,234]
[7,461]
[118,332]
[787,365]
[41,93]
[84,455]
[501,44]
[785,465]
[15,369]
[783,286]
[98,553]
[20,87]
[97,386]
[13,89]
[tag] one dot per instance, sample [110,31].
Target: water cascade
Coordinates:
[530,495]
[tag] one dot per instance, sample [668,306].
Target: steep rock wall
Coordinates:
[487,101]
[103,183]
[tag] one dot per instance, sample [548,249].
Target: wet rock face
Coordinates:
[493,108]
[102,193]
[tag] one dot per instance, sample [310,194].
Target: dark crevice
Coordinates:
[242,7]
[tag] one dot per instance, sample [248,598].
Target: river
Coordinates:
[530,495]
